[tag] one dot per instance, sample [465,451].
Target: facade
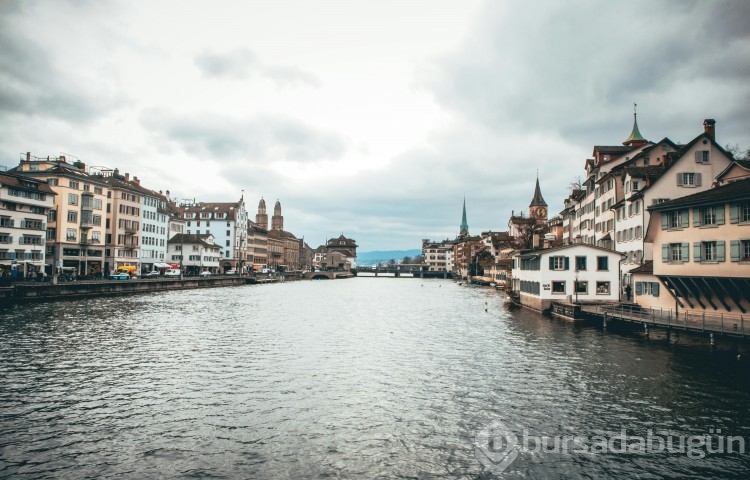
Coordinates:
[568,273]
[194,253]
[227,222]
[257,245]
[701,250]
[76,225]
[346,246]
[25,203]
[438,255]
[286,250]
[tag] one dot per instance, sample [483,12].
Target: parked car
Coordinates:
[172,273]
[205,274]
[232,271]
[151,274]
[119,276]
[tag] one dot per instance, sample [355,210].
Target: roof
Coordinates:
[26,183]
[744,164]
[647,267]
[739,190]
[337,242]
[281,235]
[537,201]
[635,135]
[229,208]
[542,251]
[189,238]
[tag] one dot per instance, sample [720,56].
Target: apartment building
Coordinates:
[227,222]
[75,238]
[702,249]
[25,203]
[438,255]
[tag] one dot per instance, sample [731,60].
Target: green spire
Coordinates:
[464,224]
[635,135]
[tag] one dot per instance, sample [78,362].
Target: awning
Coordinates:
[162,265]
[606,237]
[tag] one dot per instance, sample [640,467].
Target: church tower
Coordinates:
[261,218]
[464,229]
[538,207]
[277,221]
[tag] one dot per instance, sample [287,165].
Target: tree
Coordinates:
[407,260]
[737,152]
[526,231]
[391,262]
[418,259]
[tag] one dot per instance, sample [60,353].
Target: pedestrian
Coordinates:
[628,291]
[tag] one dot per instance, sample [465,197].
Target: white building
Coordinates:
[195,253]
[154,230]
[24,204]
[438,255]
[569,273]
[227,222]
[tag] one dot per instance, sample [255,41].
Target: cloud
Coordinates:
[243,64]
[254,140]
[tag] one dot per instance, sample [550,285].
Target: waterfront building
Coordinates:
[286,249]
[566,273]
[345,246]
[25,203]
[658,175]
[257,245]
[227,222]
[75,237]
[438,255]
[195,253]
[701,249]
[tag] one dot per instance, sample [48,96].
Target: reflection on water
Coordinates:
[360,378]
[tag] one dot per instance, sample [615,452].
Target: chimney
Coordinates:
[127,177]
[709,127]
[136,181]
[28,156]
[62,158]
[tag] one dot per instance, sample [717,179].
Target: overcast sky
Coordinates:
[368,118]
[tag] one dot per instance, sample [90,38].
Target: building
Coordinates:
[195,253]
[527,230]
[438,255]
[227,222]
[568,273]
[257,245]
[345,246]
[76,225]
[25,203]
[701,248]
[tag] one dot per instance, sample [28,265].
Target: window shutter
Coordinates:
[685,252]
[720,214]
[664,252]
[697,217]
[698,156]
[664,220]
[734,213]
[684,219]
[655,289]
[679,179]
[567,263]
[720,251]
[639,288]
[697,251]
[551,263]
[698,179]
[734,250]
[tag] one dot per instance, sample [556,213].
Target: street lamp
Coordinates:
[575,286]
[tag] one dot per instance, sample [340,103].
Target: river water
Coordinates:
[358,378]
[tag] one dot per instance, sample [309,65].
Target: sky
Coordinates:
[374,119]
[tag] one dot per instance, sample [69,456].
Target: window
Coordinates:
[602,263]
[72,216]
[675,252]
[559,263]
[72,199]
[646,161]
[701,156]
[709,216]
[73,184]
[647,288]
[675,219]
[582,287]
[580,263]
[602,288]
[739,212]
[229,233]
[709,251]
[689,179]
[227,243]
[558,287]
[70,235]
[636,185]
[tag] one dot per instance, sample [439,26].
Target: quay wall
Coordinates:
[25,292]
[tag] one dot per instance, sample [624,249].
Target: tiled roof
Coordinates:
[189,238]
[16,181]
[228,208]
[739,190]
[651,171]
[647,267]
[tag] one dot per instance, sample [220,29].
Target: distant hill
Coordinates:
[371,258]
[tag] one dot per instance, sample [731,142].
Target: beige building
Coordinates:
[76,224]
[124,206]
[701,246]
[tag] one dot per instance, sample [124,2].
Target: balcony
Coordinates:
[130,231]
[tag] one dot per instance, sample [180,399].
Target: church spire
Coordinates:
[635,137]
[464,225]
[538,207]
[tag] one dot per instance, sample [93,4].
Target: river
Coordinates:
[357,378]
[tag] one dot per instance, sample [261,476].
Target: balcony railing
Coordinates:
[130,231]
